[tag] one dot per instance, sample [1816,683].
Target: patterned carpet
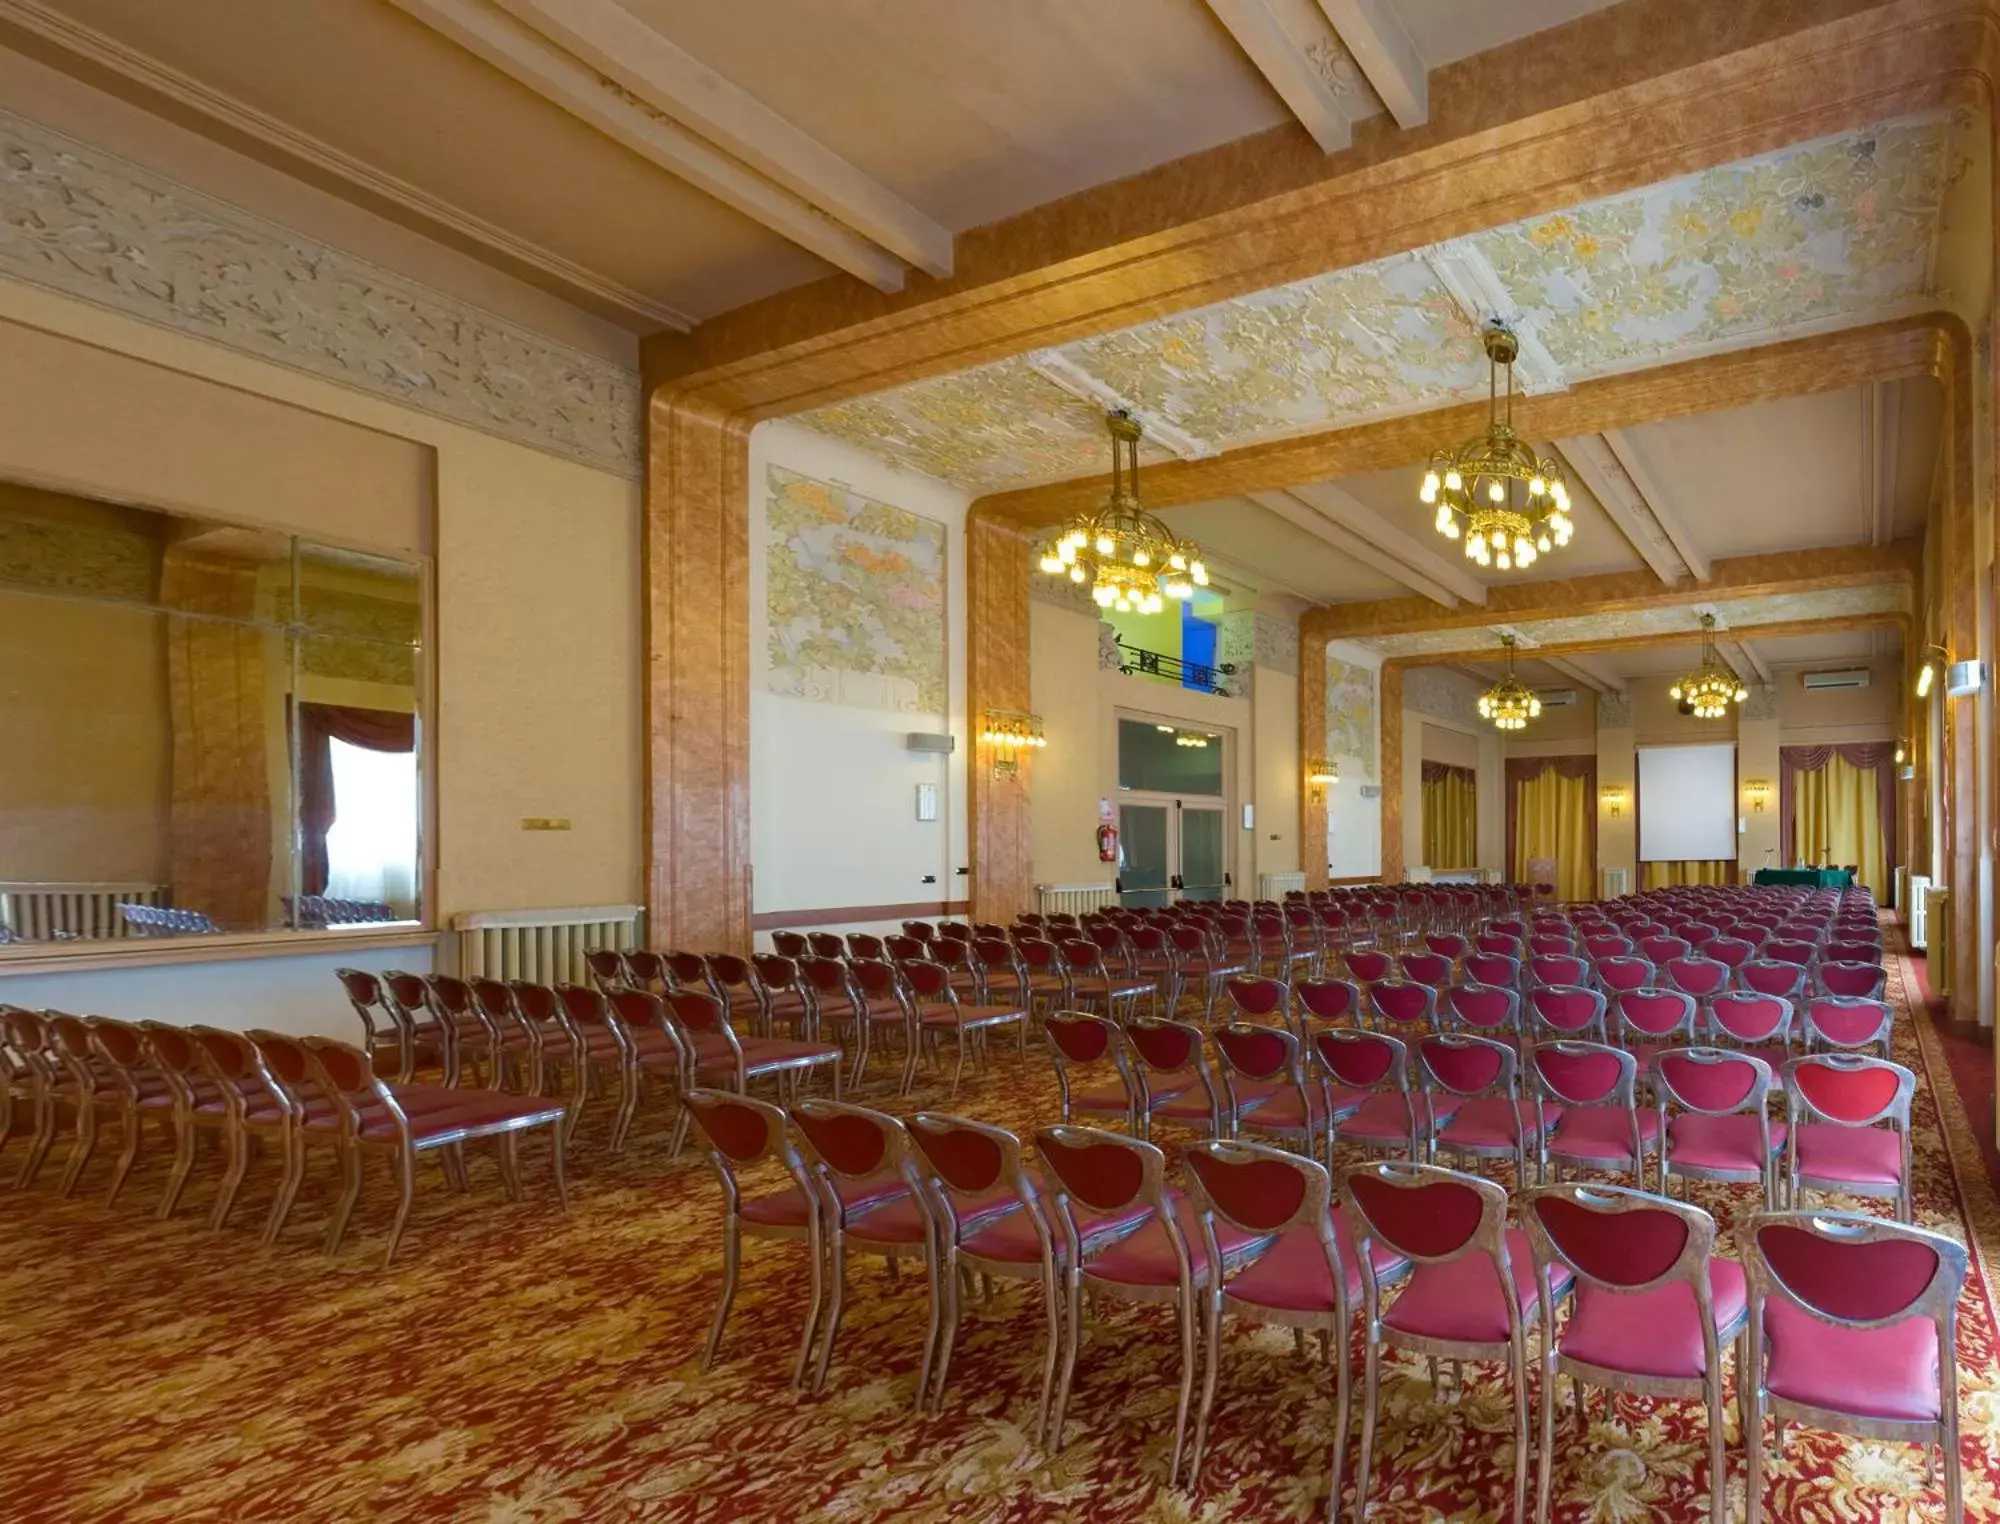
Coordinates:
[521,1365]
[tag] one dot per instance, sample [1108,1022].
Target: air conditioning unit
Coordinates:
[1557,698]
[1851,677]
[1918,911]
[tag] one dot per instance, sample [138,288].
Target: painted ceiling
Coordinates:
[1820,235]
[1742,616]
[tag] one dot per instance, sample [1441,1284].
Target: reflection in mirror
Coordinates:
[209,728]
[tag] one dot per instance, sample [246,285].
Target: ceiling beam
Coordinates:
[1741,654]
[276,141]
[1375,35]
[1659,500]
[593,97]
[1592,463]
[1320,527]
[1289,71]
[620,46]
[1624,593]
[1881,425]
[1593,673]
[1912,346]
[1350,513]
[1842,624]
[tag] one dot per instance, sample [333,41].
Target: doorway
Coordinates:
[1173,838]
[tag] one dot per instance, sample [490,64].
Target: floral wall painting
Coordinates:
[1350,713]
[854,598]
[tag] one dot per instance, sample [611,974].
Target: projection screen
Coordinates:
[1687,803]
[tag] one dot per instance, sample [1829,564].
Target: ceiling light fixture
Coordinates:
[1190,738]
[1507,503]
[1131,561]
[1509,703]
[1711,688]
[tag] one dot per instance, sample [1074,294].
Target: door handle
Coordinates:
[1175,882]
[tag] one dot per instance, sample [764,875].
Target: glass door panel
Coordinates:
[1201,866]
[1143,867]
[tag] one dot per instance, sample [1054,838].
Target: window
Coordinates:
[371,847]
[1169,759]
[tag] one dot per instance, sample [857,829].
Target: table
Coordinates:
[1816,878]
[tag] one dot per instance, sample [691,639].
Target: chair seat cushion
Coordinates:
[1703,1142]
[1653,1333]
[777,1209]
[1386,1118]
[1461,1299]
[1147,1257]
[1492,1121]
[950,1016]
[1293,1275]
[1887,1372]
[1858,1155]
[1602,1132]
[1012,1239]
[1103,1098]
[478,1111]
[1282,1111]
[780,1052]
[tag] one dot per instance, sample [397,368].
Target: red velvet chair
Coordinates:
[1832,1022]
[30,1073]
[1835,1108]
[717,1058]
[1366,1076]
[383,1021]
[174,1053]
[1722,1130]
[1703,978]
[1769,976]
[465,1034]
[1842,949]
[1492,1119]
[1094,983]
[1397,1005]
[1662,950]
[741,1133]
[1497,969]
[1368,966]
[1566,1013]
[1093,1175]
[252,1101]
[1595,1091]
[1264,1085]
[1739,1018]
[1616,975]
[1483,1010]
[1254,998]
[884,995]
[1177,1084]
[872,1202]
[935,1010]
[1301,1271]
[553,1042]
[1653,1309]
[1853,981]
[514,1048]
[129,1084]
[1853,1327]
[1086,1048]
[1200,963]
[1649,1022]
[1608,945]
[605,967]
[1329,1000]
[1470,1295]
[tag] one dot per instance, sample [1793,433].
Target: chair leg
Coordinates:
[406,1189]
[1753,1447]
[837,1253]
[1521,1451]
[556,1168]
[732,1251]
[1371,1386]
[1718,1454]
[1073,1315]
[350,1192]
[947,1335]
[86,1141]
[1189,1349]
[628,1106]
[1052,1335]
[127,1156]
[941,1281]
[184,1140]
[815,1265]
[38,1147]
[238,1146]
[1546,1403]
[1343,1388]
[510,1164]
[1212,1305]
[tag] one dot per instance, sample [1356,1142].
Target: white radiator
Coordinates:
[1073,899]
[1919,911]
[38,912]
[1275,886]
[542,946]
[1617,883]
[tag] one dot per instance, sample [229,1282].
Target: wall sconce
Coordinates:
[1321,773]
[1934,659]
[1758,792]
[1902,750]
[1010,732]
[1614,801]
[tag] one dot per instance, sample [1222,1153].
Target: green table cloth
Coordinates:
[1819,878]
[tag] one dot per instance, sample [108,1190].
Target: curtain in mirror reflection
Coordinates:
[1451,816]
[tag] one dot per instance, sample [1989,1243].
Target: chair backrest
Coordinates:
[1463,1065]
[1584,1074]
[1789,950]
[1745,1016]
[960,1159]
[1368,965]
[1622,972]
[903,947]
[1265,1192]
[494,1000]
[854,1143]
[1853,950]
[1257,997]
[826,944]
[1608,945]
[1769,976]
[875,979]
[1851,1271]
[1849,1089]
[930,982]
[741,1131]
[1106,1172]
[1359,1060]
[1447,944]
[1712,1081]
[1655,1015]
[1493,968]
[1077,1038]
[696,1012]
[1663,949]
[1544,944]
[1401,1004]
[1566,1010]
[1624,1241]
[1426,1214]
[1854,979]
[1261,1055]
[1843,1021]
[1732,952]
[1429,968]
[1329,999]
[1697,976]
[861,944]
[1483,1009]
[790,944]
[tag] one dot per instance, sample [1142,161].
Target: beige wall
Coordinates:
[1811,718]
[1453,747]
[537,657]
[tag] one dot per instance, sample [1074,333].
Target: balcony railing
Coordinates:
[1206,677]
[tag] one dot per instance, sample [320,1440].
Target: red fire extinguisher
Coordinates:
[1107,843]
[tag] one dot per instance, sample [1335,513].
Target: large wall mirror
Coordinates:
[207,727]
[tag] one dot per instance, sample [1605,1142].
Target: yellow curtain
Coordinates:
[1838,815]
[1451,819]
[1552,820]
[1713,871]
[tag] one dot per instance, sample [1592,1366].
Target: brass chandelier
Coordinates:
[1711,688]
[1509,703]
[1132,562]
[1507,504]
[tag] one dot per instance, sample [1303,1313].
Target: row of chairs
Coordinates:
[1573,1104]
[1837,1321]
[295,1093]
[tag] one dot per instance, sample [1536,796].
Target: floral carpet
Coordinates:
[518,1364]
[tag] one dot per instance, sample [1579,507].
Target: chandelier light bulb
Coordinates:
[1505,563]
[1052,563]
[1453,482]
[1076,574]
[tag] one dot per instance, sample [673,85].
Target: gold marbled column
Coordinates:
[1312,743]
[997,677]
[219,833]
[697,559]
[1953,367]
[1389,715]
